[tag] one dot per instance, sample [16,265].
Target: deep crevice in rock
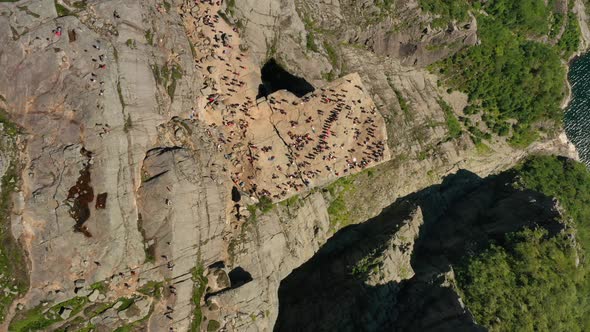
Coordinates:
[238,277]
[275,78]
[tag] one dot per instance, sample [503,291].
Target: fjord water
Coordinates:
[577,115]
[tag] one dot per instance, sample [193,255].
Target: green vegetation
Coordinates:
[367,265]
[264,205]
[101,286]
[149,37]
[531,281]
[310,38]
[482,149]
[12,262]
[508,77]
[271,48]
[332,54]
[231,7]
[80,4]
[403,104]
[126,302]
[29,12]
[213,326]
[453,125]
[152,288]
[333,58]
[96,309]
[525,16]
[477,136]
[167,76]
[62,10]
[523,136]
[329,76]
[570,40]
[338,210]
[199,287]
[138,325]
[384,5]
[39,319]
[120,94]
[310,42]
[9,128]
[175,74]
[128,123]
[13,266]
[446,10]
[513,78]
[569,182]
[44,317]
[131,43]
[291,201]
[527,285]
[556,24]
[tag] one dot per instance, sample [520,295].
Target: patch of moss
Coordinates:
[131,43]
[80,5]
[329,76]
[152,288]
[332,54]
[96,309]
[38,319]
[62,10]
[366,266]
[231,7]
[101,286]
[338,210]
[453,125]
[167,76]
[199,287]
[483,149]
[213,326]
[13,267]
[264,205]
[9,128]
[310,42]
[149,37]
[403,105]
[126,303]
[291,201]
[26,10]
[120,94]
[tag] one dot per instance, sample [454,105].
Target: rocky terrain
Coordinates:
[153,179]
[403,278]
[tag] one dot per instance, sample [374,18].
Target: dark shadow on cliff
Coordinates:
[275,78]
[461,216]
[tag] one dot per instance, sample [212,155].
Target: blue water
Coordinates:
[577,115]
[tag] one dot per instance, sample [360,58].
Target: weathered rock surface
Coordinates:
[108,106]
[398,266]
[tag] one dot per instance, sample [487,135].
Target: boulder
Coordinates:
[65,312]
[94,295]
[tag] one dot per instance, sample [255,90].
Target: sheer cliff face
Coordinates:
[395,271]
[125,198]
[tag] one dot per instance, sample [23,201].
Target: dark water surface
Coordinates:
[577,115]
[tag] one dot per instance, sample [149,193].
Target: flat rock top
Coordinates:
[280,145]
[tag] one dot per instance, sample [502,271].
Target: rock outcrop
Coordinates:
[127,209]
[398,267]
